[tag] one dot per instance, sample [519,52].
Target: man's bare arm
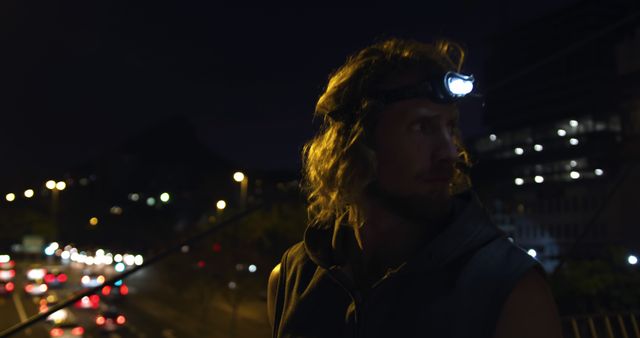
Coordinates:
[272,289]
[530,310]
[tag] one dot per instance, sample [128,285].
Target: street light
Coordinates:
[28,193]
[220,205]
[61,185]
[51,184]
[10,197]
[243,180]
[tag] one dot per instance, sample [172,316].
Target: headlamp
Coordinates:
[443,88]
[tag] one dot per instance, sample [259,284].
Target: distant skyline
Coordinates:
[79,79]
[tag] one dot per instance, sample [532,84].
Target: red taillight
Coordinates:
[43,308]
[106,290]
[100,320]
[28,288]
[62,278]
[124,290]
[50,278]
[120,320]
[94,299]
[56,332]
[77,331]
[9,287]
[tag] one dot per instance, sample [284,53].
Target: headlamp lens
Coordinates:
[457,84]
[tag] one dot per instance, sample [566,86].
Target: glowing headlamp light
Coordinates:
[447,88]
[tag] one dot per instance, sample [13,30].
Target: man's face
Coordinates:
[416,152]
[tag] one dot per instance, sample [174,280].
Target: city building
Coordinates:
[558,168]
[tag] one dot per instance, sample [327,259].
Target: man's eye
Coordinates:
[421,127]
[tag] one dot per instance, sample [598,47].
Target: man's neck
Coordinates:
[388,240]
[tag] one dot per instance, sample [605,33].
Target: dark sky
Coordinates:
[78,78]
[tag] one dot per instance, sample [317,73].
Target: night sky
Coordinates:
[79,78]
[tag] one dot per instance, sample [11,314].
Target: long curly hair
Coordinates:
[340,161]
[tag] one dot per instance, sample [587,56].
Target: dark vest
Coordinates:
[455,287]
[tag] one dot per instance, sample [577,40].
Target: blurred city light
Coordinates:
[100,252]
[84,181]
[49,251]
[151,201]
[573,123]
[574,141]
[10,197]
[164,197]
[129,259]
[117,258]
[574,175]
[633,260]
[493,137]
[573,163]
[184,249]
[598,172]
[252,268]
[93,221]
[221,204]
[233,285]
[538,179]
[5,258]
[138,260]
[65,255]
[120,267]
[116,210]
[28,193]
[562,132]
[519,181]
[51,184]
[134,197]
[238,176]
[518,151]
[61,185]
[532,253]
[538,147]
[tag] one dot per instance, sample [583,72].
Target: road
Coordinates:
[151,309]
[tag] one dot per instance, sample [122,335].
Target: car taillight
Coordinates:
[124,290]
[100,320]
[56,332]
[43,308]
[77,331]
[106,290]
[120,320]
[50,278]
[94,299]
[62,278]
[9,287]
[28,288]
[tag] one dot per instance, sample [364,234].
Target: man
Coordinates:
[397,245]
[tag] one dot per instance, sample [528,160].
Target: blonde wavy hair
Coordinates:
[339,162]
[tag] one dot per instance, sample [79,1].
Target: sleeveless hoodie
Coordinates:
[454,287]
